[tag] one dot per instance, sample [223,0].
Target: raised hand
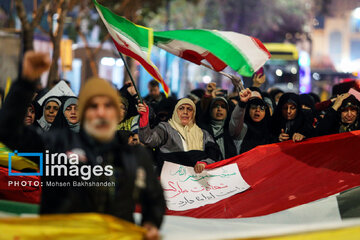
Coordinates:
[339,100]
[142,108]
[35,64]
[131,90]
[210,88]
[245,95]
[259,80]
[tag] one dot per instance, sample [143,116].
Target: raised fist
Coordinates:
[35,64]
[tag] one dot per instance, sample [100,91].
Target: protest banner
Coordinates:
[184,189]
[60,89]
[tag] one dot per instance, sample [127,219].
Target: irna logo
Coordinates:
[16,153]
[61,164]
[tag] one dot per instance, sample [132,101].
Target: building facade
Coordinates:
[336,37]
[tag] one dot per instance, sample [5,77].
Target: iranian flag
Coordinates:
[242,53]
[285,175]
[132,40]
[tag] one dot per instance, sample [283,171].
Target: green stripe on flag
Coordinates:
[18,207]
[138,34]
[211,41]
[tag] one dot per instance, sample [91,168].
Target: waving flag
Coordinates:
[78,226]
[286,175]
[133,40]
[242,53]
[294,189]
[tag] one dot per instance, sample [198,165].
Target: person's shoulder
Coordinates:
[140,154]
[65,132]
[205,132]
[164,125]
[59,137]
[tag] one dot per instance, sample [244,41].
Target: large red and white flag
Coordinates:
[281,176]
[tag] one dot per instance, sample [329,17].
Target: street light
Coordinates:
[356,13]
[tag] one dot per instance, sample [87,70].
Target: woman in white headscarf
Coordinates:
[50,108]
[179,140]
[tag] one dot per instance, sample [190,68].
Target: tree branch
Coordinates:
[39,13]
[101,44]
[62,16]
[43,30]
[52,10]
[20,9]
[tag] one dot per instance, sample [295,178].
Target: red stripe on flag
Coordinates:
[153,72]
[215,62]
[191,56]
[288,174]
[196,58]
[11,187]
[261,46]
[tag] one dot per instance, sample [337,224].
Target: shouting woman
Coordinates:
[50,108]
[179,140]
[250,121]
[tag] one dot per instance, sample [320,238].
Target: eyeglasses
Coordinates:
[254,107]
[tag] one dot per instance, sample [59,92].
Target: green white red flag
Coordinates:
[132,40]
[220,49]
[242,53]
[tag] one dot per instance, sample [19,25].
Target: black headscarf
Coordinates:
[300,124]
[60,120]
[351,101]
[275,92]
[308,101]
[219,130]
[258,133]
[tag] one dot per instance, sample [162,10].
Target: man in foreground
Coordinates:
[99,155]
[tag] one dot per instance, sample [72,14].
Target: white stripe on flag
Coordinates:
[246,45]
[285,222]
[132,46]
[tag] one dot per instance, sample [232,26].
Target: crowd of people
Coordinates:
[112,126]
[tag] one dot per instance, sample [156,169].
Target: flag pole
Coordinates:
[131,78]
[234,79]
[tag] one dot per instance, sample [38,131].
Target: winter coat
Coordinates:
[228,148]
[249,134]
[331,122]
[133,175]
[171,148]
[301,124]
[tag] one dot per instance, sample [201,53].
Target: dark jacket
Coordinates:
[170,146]
[301,124]
[331,122]
[227,141]
[258,133]
[129,165]
[153,102]
[132,101]
[250,134]
[60,121]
